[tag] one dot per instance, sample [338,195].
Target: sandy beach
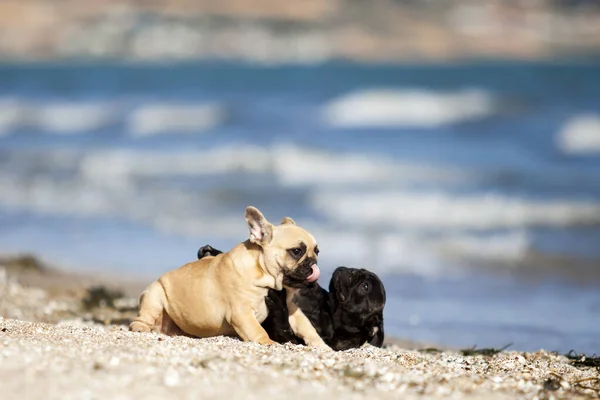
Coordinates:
[64,338]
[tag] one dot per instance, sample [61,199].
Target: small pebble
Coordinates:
[171,378]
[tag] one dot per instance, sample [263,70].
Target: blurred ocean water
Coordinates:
[473,190]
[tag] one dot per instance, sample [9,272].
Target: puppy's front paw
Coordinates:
[324,347]
[138,326]
[318,343]
[266,341]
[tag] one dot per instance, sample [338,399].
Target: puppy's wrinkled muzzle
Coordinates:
[316,273]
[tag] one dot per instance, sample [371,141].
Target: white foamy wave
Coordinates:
[442,211]
[432,255]
[72,118]
[12,113]
[581,134]
[413,252]
[290,165]
[407,108]
[166,210]
[295,166]
[55,117]
[46,196]
[507,248]
[123,165]
[156,119]
[377,252]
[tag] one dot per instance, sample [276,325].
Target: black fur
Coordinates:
[297,277]
[346,317]
[208,250]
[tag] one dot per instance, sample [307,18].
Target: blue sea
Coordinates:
[472,190]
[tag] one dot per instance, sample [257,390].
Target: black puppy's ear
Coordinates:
[336,284]
[288,221]
[261,230]
[208,251]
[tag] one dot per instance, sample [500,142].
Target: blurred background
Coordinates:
[452,147]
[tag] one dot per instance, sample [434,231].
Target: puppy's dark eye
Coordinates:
[365,287]
[316,251]
[296,252]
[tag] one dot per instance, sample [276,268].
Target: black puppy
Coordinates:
[346,317]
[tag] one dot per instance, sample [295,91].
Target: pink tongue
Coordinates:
[316,273]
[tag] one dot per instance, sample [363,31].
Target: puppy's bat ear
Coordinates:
[261,231]
[288,221]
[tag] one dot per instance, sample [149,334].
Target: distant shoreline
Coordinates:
[310,32]
[584,60]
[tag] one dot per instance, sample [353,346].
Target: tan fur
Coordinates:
[225,295]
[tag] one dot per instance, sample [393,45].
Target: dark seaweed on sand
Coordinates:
[588,387]
[100,296]
[489,351]
[112,321]
[581,360]
[430,350]
[473,351]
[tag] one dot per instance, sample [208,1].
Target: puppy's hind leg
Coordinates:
[151,311]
